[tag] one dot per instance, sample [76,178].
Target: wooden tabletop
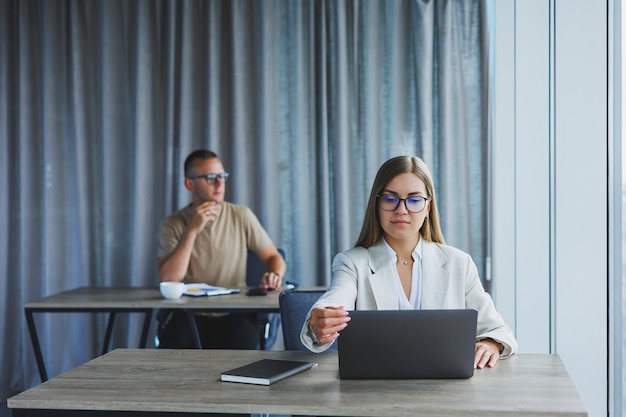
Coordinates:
[187,381]
[107,298]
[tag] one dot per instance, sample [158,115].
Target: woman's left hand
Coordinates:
[487,353]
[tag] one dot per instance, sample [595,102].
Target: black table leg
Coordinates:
[194,329]
[109,332]
[145,329]
[36,347]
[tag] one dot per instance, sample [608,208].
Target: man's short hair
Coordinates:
[197,154]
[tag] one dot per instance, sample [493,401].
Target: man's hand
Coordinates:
[270,280]
[274,265]
[203,214]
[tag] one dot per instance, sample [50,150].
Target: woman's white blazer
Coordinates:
[362,279]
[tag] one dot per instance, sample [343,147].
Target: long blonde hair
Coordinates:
[371,230]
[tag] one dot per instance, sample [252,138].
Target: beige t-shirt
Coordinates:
[220,253]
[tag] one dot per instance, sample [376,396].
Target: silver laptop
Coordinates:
[416,344]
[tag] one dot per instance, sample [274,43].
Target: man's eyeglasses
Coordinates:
[390,202]
[211,178]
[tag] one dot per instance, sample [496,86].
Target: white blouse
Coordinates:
[414,300]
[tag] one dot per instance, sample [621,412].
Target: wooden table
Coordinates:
[158,382]
[136,300]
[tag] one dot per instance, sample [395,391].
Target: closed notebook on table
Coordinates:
[266,371]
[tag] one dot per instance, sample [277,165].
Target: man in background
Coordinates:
[208,242]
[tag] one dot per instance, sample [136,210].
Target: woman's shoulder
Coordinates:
[446,250]
[355,252]
[351,255]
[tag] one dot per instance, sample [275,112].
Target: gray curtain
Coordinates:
[100,102]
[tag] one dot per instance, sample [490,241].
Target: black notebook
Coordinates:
[266,371]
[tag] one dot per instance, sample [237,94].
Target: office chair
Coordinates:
[254,272]
[294,305]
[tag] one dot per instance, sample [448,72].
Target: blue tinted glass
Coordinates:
[389,199]
[415,204]
[415,200]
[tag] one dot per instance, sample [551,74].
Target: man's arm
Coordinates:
[173,267]
[274,265]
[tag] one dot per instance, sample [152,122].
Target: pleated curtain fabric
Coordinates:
[100,102]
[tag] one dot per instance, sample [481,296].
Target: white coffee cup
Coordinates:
[172,290]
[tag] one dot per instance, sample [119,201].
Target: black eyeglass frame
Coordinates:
[401,200]
[211,178]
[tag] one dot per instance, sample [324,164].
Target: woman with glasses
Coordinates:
[401,261]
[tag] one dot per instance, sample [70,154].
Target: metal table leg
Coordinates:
[108,333]
[36,346]
[146,328]
[194,329]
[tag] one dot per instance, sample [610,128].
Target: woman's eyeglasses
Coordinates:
[390,202]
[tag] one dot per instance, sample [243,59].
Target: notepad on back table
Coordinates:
[417,344]
[197,290]
[266,371]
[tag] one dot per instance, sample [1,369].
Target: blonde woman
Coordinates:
[401,261]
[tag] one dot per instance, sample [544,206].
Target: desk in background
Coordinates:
[161,383]
[136,300]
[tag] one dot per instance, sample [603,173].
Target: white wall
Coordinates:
[550,183]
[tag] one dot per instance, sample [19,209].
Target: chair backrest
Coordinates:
[255,268]
[294,305]
[254,272]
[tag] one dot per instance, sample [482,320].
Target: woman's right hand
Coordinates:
[327,322]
